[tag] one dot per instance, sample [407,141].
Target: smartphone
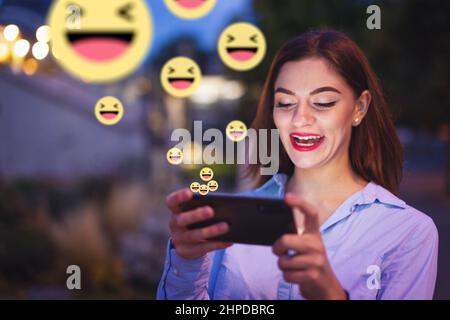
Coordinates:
[252,220]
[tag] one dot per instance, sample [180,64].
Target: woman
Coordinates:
[340,165]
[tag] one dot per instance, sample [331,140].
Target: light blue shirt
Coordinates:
[378,246]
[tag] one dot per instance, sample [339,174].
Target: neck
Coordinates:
[333,181]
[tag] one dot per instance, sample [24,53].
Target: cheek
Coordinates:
[281,120]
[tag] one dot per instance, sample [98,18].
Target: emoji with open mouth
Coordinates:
[174,156]
[181,77]
[109,111]
[242,46]
[195,187]
[206,174]
[190,9]
[213,185]
[100,40]
[236,131]
[203,190]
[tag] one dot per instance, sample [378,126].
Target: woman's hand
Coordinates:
[192,244]
[309,267]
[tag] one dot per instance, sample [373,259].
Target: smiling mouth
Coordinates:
[206,176]
[242,53]
[236,134]
[175,158]
[100,46]
[190,4]
[194,189]
[181,83]
[212,188]
[306,143]
[109,115]
[203,191]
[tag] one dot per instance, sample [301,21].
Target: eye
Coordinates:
[102,106]
[171,70]
[124,12]
[242,127]
[116,106]
[231,127]
[253,38]
[191,70]
[325,105]
[284,105]
[230,38]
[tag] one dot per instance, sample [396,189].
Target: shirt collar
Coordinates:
[371,193]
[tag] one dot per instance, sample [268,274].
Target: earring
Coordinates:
[356,120]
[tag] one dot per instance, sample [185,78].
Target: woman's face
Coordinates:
[314,111]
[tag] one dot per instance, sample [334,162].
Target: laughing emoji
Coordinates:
[101,40]
[190,9]
[181,77]
[195,187]
[203,190]
[174,156]
[213,185]
[109,111]
[242,46]
[206,174]
[236,131]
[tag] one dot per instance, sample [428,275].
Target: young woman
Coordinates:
[340,165]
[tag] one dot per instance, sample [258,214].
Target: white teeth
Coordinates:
[306,137]
[306,141]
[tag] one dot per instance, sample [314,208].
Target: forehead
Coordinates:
[308,74]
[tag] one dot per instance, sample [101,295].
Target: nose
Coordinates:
[303,115]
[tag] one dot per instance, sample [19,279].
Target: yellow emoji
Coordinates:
[242,46]
[109,111]
[195,187]
[181,77]
[190,9]
[174,156]
[236,131]
[203,190]
[213,185]
[206,174]
[102,40]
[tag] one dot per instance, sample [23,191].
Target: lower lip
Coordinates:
[310,148]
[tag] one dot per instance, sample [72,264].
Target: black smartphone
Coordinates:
[252,220]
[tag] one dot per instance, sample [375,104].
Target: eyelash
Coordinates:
[319,105]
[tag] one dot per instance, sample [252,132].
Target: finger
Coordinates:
[214,245]
[206,232]
[300,276]
[300,244]
[174,199]
[300,262]
[189,217]
[311,214]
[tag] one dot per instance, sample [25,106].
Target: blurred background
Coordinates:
[73,191]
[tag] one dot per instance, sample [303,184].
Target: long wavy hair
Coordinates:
[375,152]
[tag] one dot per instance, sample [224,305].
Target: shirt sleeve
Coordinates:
[411,274]
[184,279]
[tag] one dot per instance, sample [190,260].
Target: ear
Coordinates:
[361,107]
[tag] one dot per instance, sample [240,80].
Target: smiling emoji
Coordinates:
[195,187]
[206,174]
[109,111]
[181,77]
[174,156]
[203,190]
[213,185]
[236,131]
[100,40]
[190,9]
[242,46]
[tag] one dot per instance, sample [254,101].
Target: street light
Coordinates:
[43,34]
[40,50]
[11,32]
[21,48]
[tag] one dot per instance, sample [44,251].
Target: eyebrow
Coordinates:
[316,91]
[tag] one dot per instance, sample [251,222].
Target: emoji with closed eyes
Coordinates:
[203,190]
[241,46]
[181,77]
[213,185]
[100,40]
[190,9]
[174,156]
[206,174]
[236,131]
[109,111]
